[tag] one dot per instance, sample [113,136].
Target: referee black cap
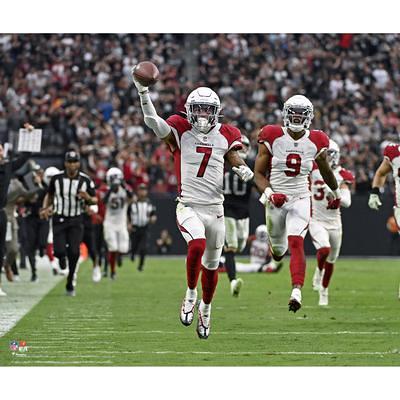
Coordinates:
[72,156]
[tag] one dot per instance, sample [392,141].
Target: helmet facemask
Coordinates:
[333,158]
[244,151]
[202,116]
[297,113]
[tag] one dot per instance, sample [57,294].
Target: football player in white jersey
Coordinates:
[200,145]
[260,254]
[48,174]
[390,163]
[326,224]
[115,224]
[283,165]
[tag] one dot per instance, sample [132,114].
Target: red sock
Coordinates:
[297,259]
[196,249]
[322,255]
[111,260]
[50,251]
[209,280]
[327,274]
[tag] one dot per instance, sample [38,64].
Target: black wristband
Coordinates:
[375,190]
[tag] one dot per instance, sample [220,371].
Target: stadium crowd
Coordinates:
[77,88]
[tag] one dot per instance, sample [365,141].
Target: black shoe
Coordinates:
[34,278]
[140,268]
[294,305]
[69,287]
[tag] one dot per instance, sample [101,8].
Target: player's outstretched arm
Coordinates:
[151,118]
[374,201]
[239,166]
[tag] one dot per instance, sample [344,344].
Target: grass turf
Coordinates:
[134,321]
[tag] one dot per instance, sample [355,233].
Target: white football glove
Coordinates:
[140,88]
[374,201]
[244,172]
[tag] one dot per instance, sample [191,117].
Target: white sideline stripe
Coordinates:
[261,352]
[24,295]
[27,361]
[62,338]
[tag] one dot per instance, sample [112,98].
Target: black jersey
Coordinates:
[237,195]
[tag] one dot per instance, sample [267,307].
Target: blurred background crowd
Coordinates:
[77,88]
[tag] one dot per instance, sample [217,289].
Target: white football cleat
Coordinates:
[187,311]
[317,279]
[323,297]
[236,286]
[96,274]
[203,322]
[295,300]
[2,293]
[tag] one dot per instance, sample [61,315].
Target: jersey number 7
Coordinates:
[204,162]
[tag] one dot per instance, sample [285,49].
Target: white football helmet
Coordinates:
[333,154]
[244,151]
[262,233]
[202,109]
[297,113]
[114,176]
[49,172]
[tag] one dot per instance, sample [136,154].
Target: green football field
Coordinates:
[134,321]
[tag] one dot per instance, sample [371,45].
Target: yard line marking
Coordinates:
[23,296]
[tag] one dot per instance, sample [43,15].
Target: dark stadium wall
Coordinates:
[364,230]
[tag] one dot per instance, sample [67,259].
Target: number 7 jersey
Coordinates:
[291,160]
[199,160]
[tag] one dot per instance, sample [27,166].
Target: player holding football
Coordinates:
[390,163]
[286,153]
[115,224]
[326,224]
[200,145]
[236,209]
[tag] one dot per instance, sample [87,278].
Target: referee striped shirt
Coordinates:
[65,191]
[141,212]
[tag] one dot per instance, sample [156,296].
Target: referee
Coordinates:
[69,192]
[141,214]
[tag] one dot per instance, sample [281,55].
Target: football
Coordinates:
[146,73]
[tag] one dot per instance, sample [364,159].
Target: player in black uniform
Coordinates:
[236,207]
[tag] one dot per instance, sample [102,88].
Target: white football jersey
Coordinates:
[291,160]
[117,208]
[199,160]
[392,153]
[331,219]
[259,252]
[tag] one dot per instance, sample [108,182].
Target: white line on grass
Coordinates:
[23,296]
[233,353]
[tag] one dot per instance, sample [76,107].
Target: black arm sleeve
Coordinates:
[20,161]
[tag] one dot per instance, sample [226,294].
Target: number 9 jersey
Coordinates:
[291,160]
